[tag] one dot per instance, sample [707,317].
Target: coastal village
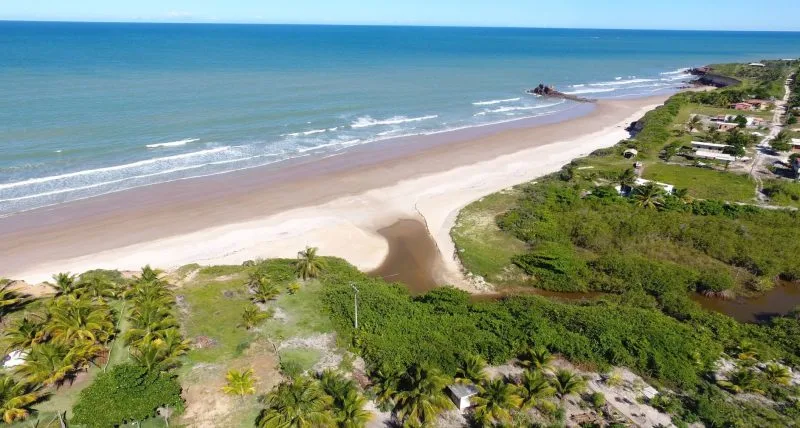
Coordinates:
[313,342]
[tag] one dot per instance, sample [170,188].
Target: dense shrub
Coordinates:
[127,393]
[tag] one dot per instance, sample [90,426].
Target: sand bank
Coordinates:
[337,203]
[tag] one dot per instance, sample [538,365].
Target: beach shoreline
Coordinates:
[337,203]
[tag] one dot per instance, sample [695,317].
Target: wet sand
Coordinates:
[337,203]
[413,258]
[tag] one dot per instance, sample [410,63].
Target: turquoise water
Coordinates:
[88,109]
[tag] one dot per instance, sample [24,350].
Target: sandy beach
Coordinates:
[337,203]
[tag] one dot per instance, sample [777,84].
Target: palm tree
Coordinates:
[16,399]
[683,195]
[742,380]
[566,383]
[421,397]
[24,333]
[252,316]
[386,383]
[75,319]
[65,283]
[148,322]
[627,179]
[649,195]
[300,403]
[694,123]
[161,353]
[97,286]
[472,370]
[47,363]
[264,290]
[747,353]
[534,389]
[9,299]
[347,403]
[149,275]
[777,373]
[492,405]
[309,264]
[538,358]
[240,383]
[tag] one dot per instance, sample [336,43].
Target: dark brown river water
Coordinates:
[413,260]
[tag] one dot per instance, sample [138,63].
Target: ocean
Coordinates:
[92,108]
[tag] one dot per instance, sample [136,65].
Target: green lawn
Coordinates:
[704,183]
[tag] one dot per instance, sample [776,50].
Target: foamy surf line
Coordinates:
[368,121]
[493,102]
[173,143]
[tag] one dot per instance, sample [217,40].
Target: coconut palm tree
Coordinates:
[683,195]
[16,399]
[300,403]
[538,358]
[47,363]
[421,397]
[252,316]
[240,383]
[742,380]
[472,370]
[97,286]
[309,264]
[347,403]
[65,283]
[649,195]
[777,373]
[148,322]
[9,299]
[566,383]
[747,353]
[534,389]
[493,404]
[24,333]
[264,290]
[694,123]
[149,275]
[75,319]
[386,383]
[627,179]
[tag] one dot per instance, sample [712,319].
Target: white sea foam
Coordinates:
[90,172]
[321,146]
[509,109]
[674,72]
[590,91]
[305,133]
[493,102]
[620,82]
[367,121]
[172,143]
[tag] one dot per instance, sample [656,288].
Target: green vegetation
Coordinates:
[783,192]
[126,394]
[764,82]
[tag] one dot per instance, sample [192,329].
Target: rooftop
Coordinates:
[462,391]
[704,144]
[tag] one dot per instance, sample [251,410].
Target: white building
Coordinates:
[702,145]
[461,394]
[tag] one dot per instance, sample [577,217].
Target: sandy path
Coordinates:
[181,227]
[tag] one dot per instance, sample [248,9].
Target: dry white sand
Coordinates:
[346,227]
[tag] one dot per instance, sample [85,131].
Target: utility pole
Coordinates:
[355,303]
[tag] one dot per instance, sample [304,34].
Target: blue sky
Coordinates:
[675,14]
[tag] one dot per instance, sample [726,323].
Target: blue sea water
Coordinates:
[87,109]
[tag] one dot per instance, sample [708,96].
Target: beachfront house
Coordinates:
[758,104]
[796,145]
[742,106]
[669,188]
[714,155]
[461,395]
[702,145]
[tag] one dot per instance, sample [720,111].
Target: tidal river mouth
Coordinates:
[414,258]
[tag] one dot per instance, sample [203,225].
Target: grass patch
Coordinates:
[704,183]
[302,358]
[305,314]
[214,310]
[481,245]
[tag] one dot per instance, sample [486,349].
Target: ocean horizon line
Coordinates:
[384,25]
